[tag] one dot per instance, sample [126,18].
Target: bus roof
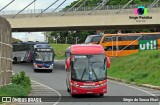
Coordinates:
[94,35]
[87,49]
[31,43]
[42,46]
[131,34]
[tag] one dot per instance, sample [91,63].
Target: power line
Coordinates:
[23,9]
[59,6]
[104,2]
[7,5]
[71,7]
[47,8]
[81,5]
[153,3]
[124,7]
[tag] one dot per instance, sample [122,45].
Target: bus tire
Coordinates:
[51,70]
[14,60]
[68,89]
[67,86]
[35,70]
[101,95]
[73,95]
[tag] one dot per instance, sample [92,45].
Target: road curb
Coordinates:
[133,83]
[43,90]
[9,103]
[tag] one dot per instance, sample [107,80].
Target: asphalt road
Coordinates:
[56,80]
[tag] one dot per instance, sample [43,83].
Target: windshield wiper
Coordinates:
[93,70]
[94,74]
[83,73]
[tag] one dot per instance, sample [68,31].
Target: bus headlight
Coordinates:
[51,65]
[103,84]
[74,85]
[35,65]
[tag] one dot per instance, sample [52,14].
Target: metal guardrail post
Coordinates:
[71,7]
[99,6]
[81,5]
[23,9]
[59,6]
[47,8]
[124,7]
[153,4]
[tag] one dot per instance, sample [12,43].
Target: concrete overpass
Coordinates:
[99,20]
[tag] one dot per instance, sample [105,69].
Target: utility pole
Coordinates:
[57,38]
[77,39]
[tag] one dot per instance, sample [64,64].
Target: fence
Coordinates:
[106,7]
[5,52]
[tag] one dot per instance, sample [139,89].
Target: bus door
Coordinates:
[107,44]
[115,47]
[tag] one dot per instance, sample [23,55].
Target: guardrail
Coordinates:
[107,7]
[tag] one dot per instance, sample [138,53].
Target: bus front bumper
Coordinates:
[90,90]
[43,67]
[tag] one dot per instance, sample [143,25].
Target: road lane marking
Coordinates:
[136,88]
[51,89]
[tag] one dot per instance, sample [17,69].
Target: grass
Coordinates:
[60,50]
[21,86]
[13,90]
[142,67]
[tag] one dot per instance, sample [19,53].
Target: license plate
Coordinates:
[89,92]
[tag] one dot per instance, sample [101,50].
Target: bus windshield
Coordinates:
[44,56]
[89,67]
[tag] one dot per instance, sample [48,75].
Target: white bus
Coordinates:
[23,51]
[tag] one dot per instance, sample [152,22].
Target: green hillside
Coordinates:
[90,3]
[15,40]
[60,50]
[142,67]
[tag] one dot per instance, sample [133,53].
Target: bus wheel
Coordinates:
[68,89]
[73,95]
[35,70]
[50,70]
[101,95]
[67,86]
[15,60]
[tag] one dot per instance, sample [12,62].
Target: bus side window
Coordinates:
[107,39]
[14,48]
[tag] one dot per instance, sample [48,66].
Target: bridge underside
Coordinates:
[112,27]
[85,22]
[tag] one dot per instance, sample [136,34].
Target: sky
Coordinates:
[39,4]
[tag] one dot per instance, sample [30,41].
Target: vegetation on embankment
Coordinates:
[21,86]
[59,50]
[142,67]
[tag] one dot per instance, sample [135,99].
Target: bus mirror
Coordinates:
[68,63]
[108,62]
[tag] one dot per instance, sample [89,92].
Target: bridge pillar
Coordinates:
[5,52]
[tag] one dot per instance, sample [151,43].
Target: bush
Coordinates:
[22,80]
[12,90]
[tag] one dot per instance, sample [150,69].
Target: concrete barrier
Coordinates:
[5,52]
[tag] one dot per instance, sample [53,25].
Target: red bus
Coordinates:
[86,66]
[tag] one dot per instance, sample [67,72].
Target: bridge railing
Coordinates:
[107,7]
